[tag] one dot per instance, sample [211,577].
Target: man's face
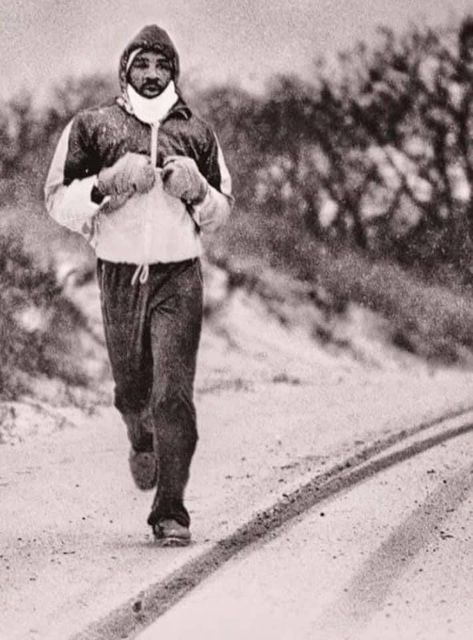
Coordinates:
[150,73]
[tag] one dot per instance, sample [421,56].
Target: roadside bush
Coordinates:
[38,324]
[375,154]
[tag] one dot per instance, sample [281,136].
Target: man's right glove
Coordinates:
[131,173]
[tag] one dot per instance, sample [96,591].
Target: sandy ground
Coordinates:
[389,558]
[273,406]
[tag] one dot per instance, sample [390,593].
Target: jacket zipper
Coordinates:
[154,143]
[150,213]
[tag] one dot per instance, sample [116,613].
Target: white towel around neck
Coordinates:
[152,110]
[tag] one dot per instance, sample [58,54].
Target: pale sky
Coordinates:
[242,40]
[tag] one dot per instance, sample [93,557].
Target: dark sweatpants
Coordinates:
[152,331]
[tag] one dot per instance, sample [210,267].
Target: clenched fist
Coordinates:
[131,173]
[182,179]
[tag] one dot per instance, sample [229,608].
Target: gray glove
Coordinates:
[182,179]
[131,173]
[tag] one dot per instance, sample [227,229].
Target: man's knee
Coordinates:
[173,400]
[131,398]
[175,407]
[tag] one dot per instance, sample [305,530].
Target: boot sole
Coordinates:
[171,541]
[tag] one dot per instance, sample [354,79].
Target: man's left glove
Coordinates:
[182,179]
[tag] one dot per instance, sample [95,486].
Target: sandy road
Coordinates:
[389,555]
[75,552]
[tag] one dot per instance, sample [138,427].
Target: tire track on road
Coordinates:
[369,587]
[136,614]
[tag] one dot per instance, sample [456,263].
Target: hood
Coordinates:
[154,38]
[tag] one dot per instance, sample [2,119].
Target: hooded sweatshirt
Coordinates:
[154,226]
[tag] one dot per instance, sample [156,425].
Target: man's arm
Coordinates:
[205,186]
[215,208]
[69,184]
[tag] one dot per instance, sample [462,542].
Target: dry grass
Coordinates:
[432,321]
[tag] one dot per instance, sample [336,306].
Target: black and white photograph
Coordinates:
[236,320]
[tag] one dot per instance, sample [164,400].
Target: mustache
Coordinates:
[152,84]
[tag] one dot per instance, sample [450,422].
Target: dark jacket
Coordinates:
[151,227]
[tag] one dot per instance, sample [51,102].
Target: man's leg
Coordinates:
[176,320]
[142,457]
[126,325]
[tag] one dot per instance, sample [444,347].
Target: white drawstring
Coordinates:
[141,273]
